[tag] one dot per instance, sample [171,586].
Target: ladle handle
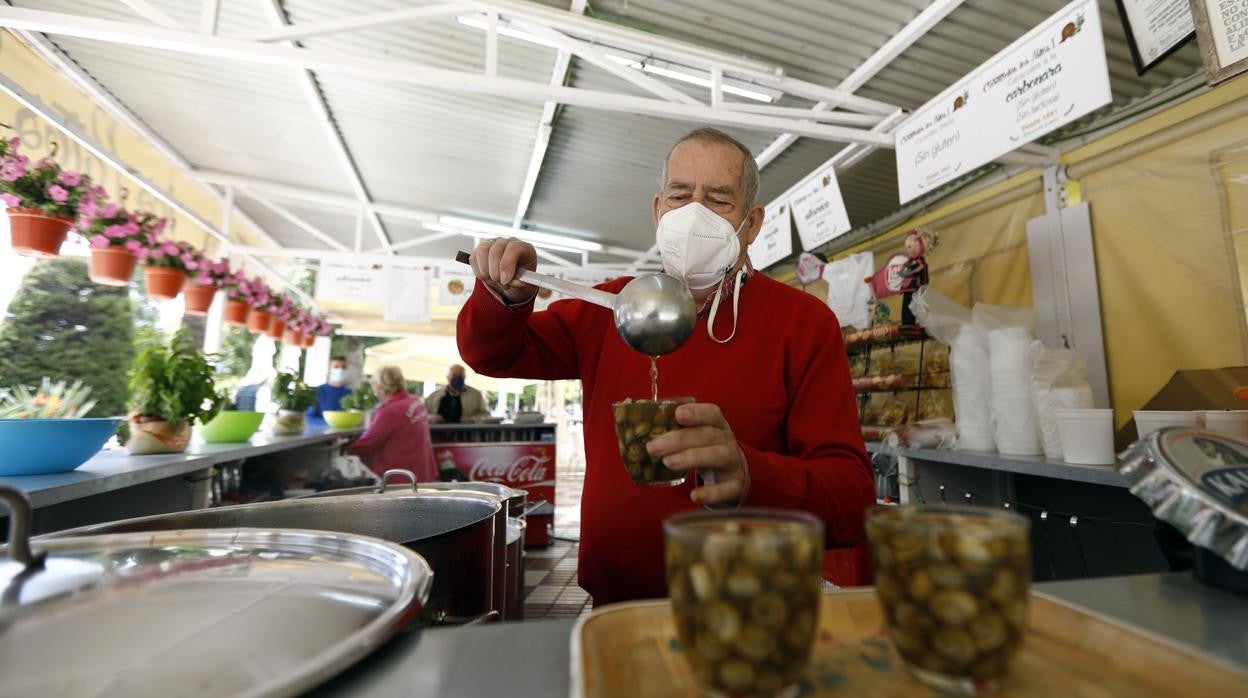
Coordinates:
[567,288]
[20,518]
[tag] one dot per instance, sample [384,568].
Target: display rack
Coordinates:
[862,345]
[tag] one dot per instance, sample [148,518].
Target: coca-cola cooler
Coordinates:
[516,455]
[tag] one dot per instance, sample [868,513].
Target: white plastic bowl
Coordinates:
[1087,436]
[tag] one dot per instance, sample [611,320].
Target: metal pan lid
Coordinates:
[221,612]
[1197,481]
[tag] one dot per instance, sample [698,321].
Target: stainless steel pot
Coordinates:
[453,531]
[500,591]
[515,569]
[516,498]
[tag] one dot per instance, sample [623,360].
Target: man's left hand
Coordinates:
[705,443]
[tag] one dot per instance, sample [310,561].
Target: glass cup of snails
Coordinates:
[636,423]
[745,589]
[952,583]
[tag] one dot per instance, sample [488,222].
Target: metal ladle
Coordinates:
[654,313]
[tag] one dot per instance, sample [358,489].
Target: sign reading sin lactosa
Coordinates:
[530,467]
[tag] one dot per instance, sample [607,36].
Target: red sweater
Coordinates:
[398,437]
[782,383]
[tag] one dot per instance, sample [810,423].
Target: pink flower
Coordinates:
[188,260]
[58,193]
[43,162]
[110,210]
[11,169]
[203,279]
[70,178]
[115,231]
[88,207]
[169,248]
[134,246]
[131,228]
[141,252]
[14,142]
[99,241]
[10,200]
[159,226]
[156,253]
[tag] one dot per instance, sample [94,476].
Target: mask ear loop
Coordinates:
[736,300]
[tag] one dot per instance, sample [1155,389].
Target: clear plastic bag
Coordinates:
[952,323]
[1008,331]
[1059,381]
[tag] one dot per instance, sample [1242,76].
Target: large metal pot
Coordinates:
[453,531]
[516,498]
[515,569]
[501,592]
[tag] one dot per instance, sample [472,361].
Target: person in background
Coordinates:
[329,395]
[398,436]
[456,402]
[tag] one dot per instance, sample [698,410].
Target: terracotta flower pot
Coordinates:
[198,298]
[276,327]
[112,266]
[156,436]
[309,340]
[293,337]
[258,321]
[164,283]
[236,312]
[36,234]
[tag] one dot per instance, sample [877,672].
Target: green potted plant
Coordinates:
[170,388]
[293,398]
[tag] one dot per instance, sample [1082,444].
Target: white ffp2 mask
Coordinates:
[697,246]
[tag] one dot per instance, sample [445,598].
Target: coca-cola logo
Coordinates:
[525,469]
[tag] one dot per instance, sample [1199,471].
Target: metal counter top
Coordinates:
[115,469]
[532,658]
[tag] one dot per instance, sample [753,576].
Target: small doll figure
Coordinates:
[914,272]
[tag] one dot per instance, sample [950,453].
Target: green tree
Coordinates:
[234,358]
[63,326]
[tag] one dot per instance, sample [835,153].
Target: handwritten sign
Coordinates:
[775,239]
[819,210]
[407,292]
[351,282]
[1053,75]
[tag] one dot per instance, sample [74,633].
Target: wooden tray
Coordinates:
[633,650]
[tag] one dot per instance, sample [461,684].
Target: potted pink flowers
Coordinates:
[41,199]
[164,267]
[261,302]
[114,236]
[282,310]
[237,305]
[295,320]
[206,277]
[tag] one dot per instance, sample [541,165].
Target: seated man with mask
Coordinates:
[774,423]
[456,403]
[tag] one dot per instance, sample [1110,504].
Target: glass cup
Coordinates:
[636,423]
[952,583]
[745,588]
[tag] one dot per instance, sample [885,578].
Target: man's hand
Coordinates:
[705,443]
[495,263]
[436,418]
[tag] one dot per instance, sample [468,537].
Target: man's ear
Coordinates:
[754,224]
[654,206]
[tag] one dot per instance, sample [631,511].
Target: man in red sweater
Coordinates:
[774,423]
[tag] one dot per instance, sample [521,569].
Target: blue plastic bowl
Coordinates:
[43,446]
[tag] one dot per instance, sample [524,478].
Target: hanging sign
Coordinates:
[407,292]
[351,282]
[775,239]
[1155,29]
[1053,75]
[819,209]
[454,286]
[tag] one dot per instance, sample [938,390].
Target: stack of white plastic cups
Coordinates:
[967,357]
[1015,426]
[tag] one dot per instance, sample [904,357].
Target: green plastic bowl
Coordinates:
[231,427]
[339,419]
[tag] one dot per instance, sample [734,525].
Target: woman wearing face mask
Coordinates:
[329,395]
[775,421]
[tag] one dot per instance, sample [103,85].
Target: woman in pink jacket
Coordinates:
[398,436]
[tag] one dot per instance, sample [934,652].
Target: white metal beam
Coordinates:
[197,44]
[416,242]
[545,128]
[894,47]
[151,13]
[337,25]
[597,57]
[296,221]
[208,16]
[552,257]
[843,118]
[319,197]
[644,257]
[273,10]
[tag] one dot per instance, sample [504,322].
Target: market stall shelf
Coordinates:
[900,375]
[632,649]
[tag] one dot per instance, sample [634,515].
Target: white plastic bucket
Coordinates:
[1087,436]
[1149,421]
[1228,422]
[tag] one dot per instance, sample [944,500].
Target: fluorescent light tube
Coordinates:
[542,239]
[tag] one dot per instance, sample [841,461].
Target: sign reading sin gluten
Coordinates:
[1053,75]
